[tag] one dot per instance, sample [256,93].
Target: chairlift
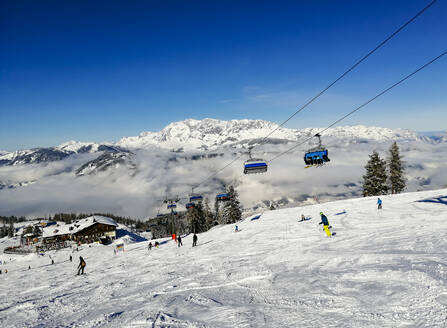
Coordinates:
[223,196]
[254,165]
[195,197]
[316,156]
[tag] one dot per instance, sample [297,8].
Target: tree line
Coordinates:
[199,218]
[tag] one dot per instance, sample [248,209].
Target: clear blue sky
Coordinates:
[100,70]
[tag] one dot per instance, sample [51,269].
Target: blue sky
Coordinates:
[100,70]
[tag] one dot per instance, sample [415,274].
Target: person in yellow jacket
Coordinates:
[325,223]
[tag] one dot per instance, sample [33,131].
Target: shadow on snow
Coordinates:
[436,200]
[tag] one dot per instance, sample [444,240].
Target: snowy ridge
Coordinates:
[383,269]
[78,147]
[105,161]
[206,134]
[41,155]
[211,133]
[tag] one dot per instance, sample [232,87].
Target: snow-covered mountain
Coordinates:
[208,134]
[211,134]
[105,161]
[51,154]
[137,172]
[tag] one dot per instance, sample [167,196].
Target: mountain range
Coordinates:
[183,153]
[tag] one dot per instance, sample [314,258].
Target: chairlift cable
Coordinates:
[362,105]
[347,71]
[381,44]
[327,88]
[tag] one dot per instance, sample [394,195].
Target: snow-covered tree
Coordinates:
[396,170]
[232,210]
[375,179]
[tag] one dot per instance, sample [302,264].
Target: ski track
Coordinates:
[384,268]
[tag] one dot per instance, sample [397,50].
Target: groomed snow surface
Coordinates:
[384,268]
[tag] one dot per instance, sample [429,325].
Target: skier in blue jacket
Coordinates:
[379,204]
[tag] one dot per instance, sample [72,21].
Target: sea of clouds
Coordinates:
[139,192]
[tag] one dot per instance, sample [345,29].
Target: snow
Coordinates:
[75,146]
[384,268]
[211,133]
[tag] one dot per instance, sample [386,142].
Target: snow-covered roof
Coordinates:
[64,229]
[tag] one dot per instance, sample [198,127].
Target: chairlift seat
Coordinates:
[255,165]
[223,196]
[195,198]
[316,157]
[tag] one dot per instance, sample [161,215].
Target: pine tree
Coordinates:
[196,219]
[217,214]
[209,216]
[11,229]
[232,209]
[396,169]
[375,179]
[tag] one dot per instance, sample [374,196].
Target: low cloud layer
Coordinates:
[138,193]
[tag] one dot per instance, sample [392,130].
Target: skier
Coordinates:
[194,240]
[149,247]
[236,229]
[303,218]
[71,259]
[81,265]
[379,204]
[157,244]
[179,241]
[325,223]
[52,261]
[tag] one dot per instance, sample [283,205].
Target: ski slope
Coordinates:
[384,268]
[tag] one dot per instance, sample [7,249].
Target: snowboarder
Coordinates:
[179,241]
[379,204]
[149,247]
[303,218]
[81,265]
[325,223]
[194,240]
